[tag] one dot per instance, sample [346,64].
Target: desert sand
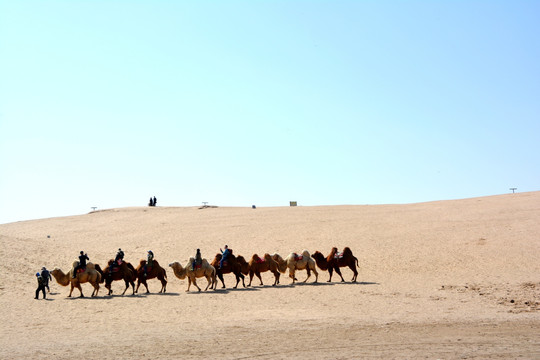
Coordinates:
[437,280]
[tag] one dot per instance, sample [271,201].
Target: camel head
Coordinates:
[178,270]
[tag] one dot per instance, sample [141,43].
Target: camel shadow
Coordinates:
[228,290]
[157,294]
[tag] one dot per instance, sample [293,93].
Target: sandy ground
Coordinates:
[439,280]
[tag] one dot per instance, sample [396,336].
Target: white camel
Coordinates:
[295,262]
[205,270]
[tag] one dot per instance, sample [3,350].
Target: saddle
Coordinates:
[197,266]
[119,262]
[115,269]
[298,257]
[260,260]
[81,270]
[338,255]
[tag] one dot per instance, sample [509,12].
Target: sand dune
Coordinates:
[447,279]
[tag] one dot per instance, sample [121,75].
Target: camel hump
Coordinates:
[347,251]
[305,253]
[255,257]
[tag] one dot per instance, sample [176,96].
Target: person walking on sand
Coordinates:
[41,286]
[46,275]
[155,201]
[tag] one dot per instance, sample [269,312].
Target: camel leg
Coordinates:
[259,276]
[220,276]
[195,283]
[330,271]
[80,289]
[316,273]
[96,289]
[70,291]
[251,273]
[308,270]
[189,283]
[339,273]
[209,281]
[276,276]
[138,284]
[127,286]
[291,274]
[163,283]
[353,268]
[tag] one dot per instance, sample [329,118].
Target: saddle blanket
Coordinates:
[338,255]
[298,257]
[81,270]
[260,261]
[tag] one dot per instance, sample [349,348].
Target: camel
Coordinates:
[125,271]
[90,275]
[258,265]
[336,260]
[236,265]
[205,270]
[155,271]
[295,262]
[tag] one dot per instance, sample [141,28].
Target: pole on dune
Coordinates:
[513,190]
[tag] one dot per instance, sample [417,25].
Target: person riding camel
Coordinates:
[198,260]
[149,262]
[82,263]
[119,257]
[224,255]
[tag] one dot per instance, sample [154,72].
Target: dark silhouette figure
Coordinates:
[41,286]
[155,201]
[46,275]
[82,263]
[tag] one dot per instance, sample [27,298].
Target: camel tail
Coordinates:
[355,258]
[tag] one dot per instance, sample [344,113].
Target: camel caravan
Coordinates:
[197,267]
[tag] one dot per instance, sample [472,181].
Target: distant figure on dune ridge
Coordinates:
[155,201]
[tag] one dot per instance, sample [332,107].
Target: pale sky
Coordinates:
[240,103]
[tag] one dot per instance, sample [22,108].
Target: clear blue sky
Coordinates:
[106,103]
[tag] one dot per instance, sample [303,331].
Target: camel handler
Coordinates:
[149,262]
[82,263]
[46,275]
[41,286]
[198,260]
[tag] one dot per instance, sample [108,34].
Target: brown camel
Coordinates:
[295,262]
[236,265]
[154,271]
[258,265]
[204,270]
[90,274]
[336,260]
[125,271]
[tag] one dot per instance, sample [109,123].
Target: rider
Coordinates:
[149,261]
[198,260]
[46,275]
[82,263]
[119,257]
[224,255]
